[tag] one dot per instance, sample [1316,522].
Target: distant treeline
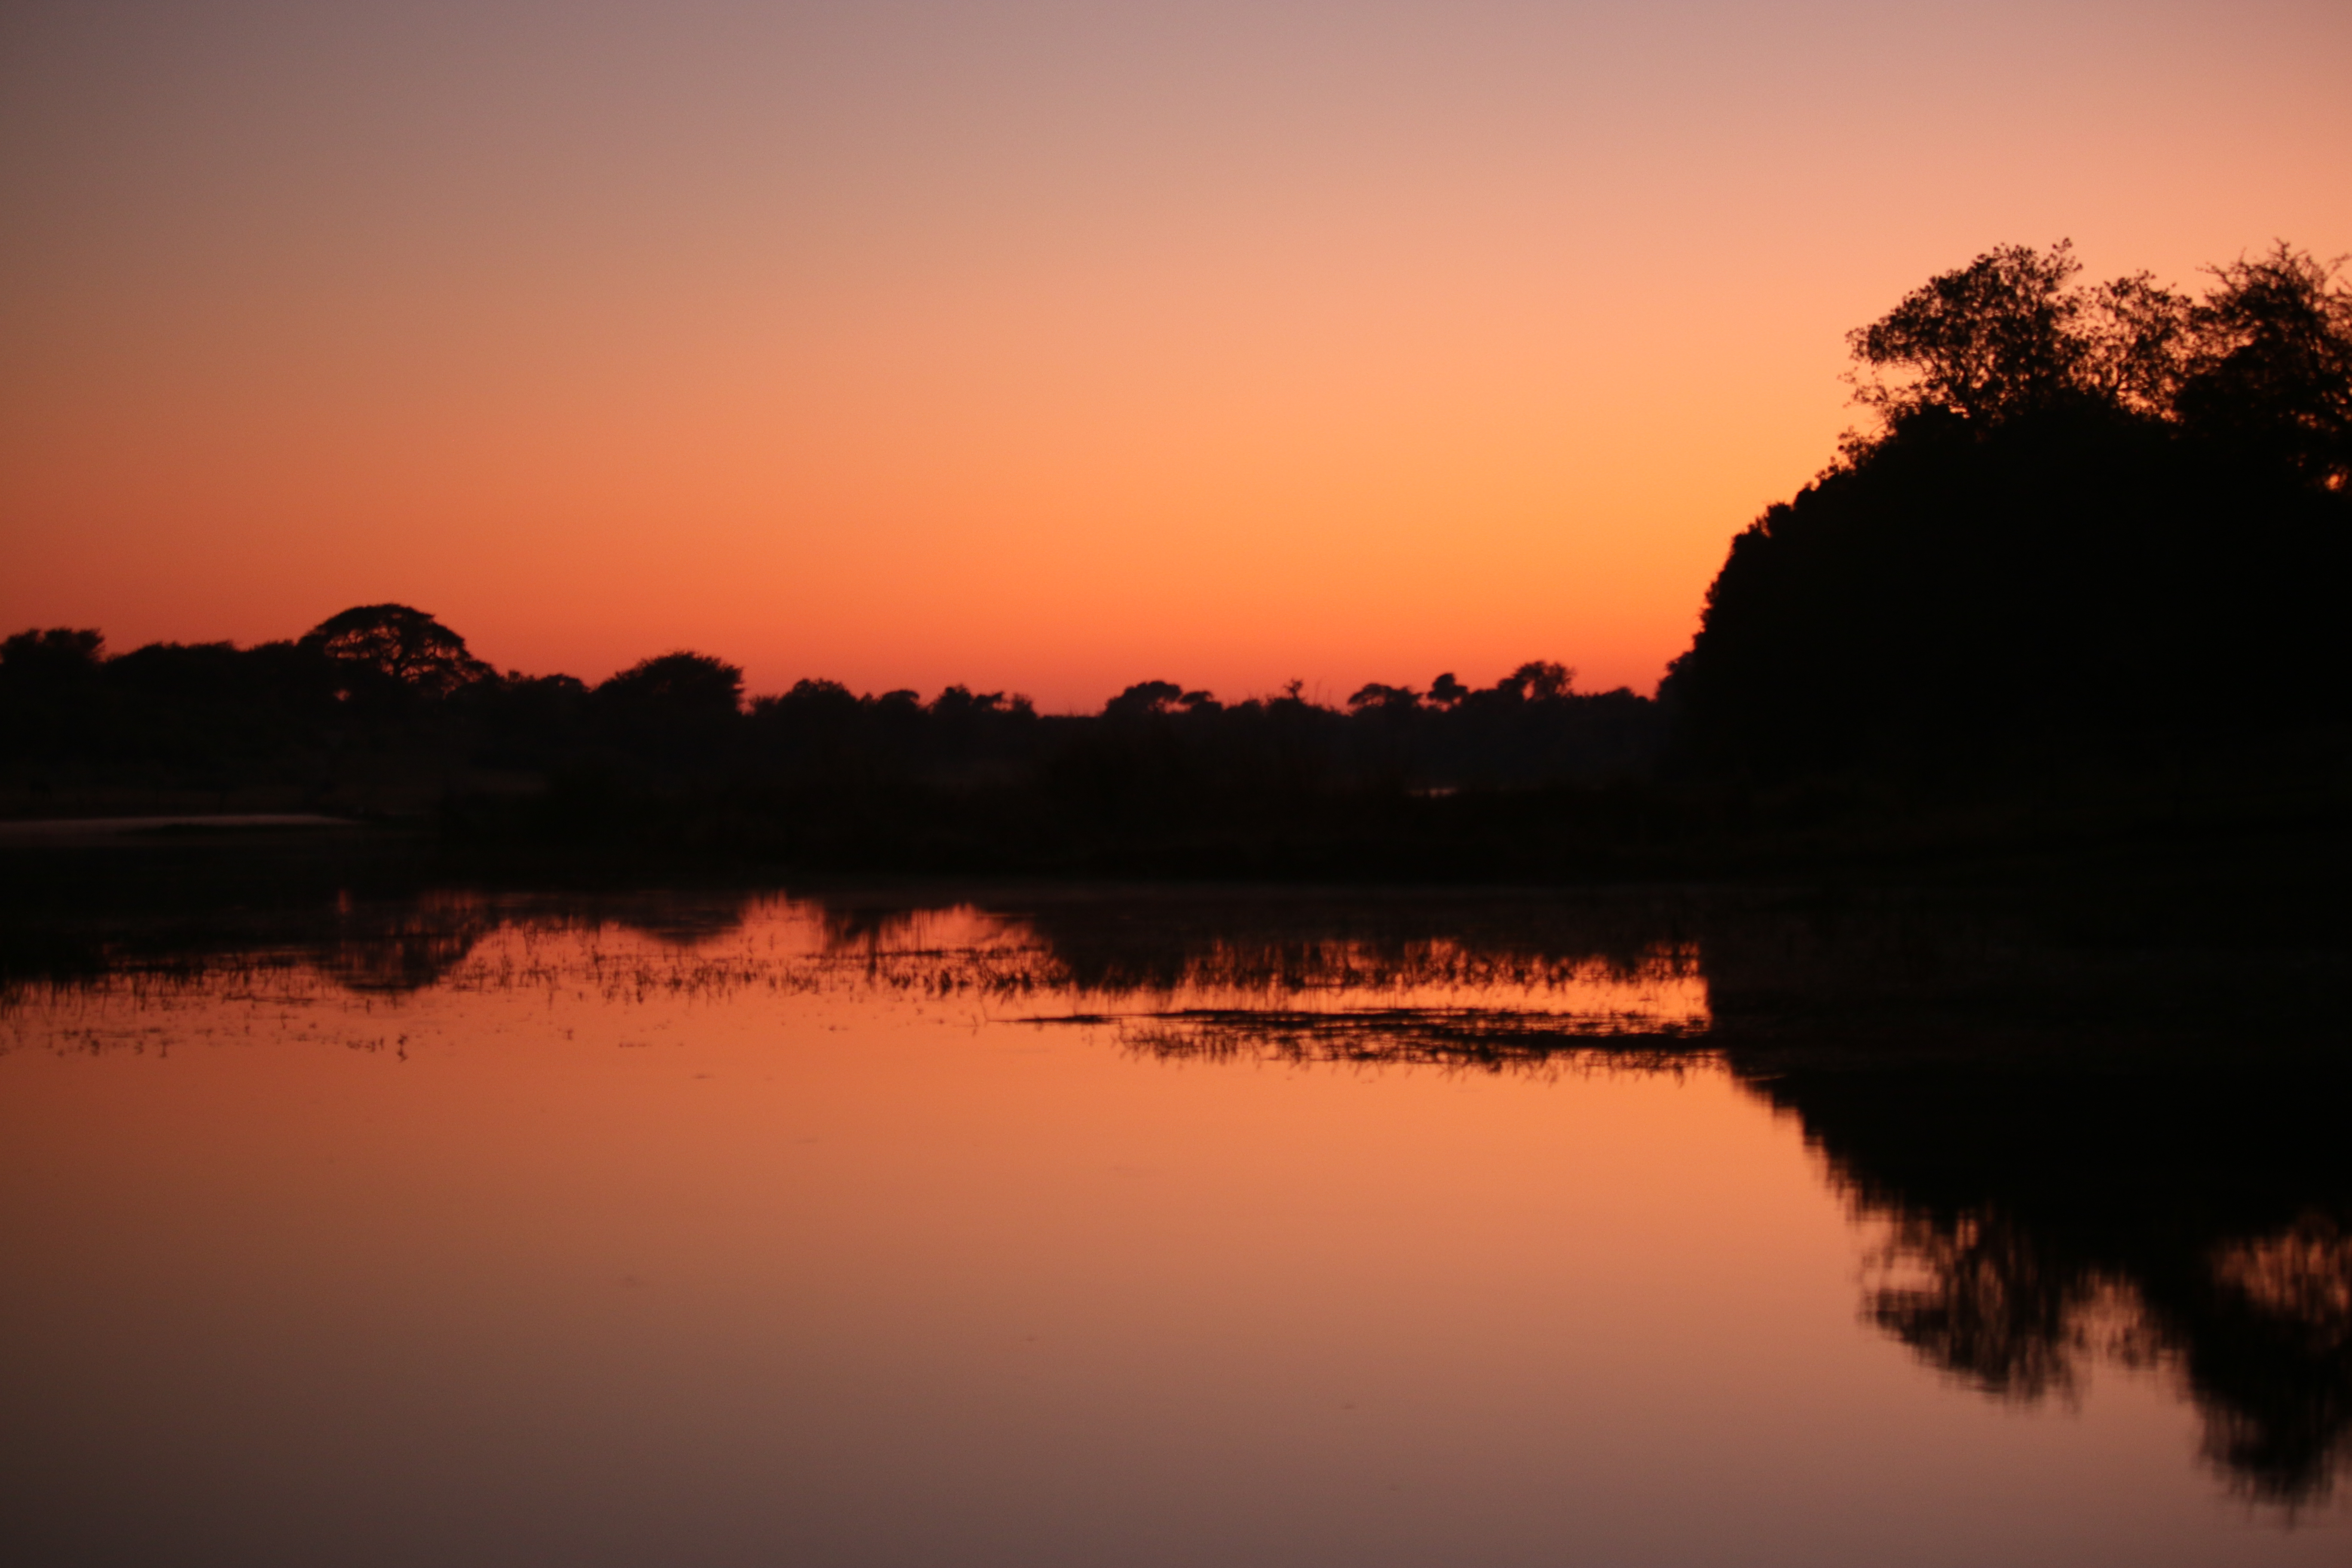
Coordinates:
[2107,526]
[385,697]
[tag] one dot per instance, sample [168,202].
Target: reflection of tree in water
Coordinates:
[683,921]
[1193,961]
[1489,1040]
[880,930]
[2279,1378]
[2165,1202]
[2038,1222]
[1275,945]
[404,947]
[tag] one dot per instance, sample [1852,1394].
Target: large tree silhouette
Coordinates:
[1998,336]
[404,647]
[2086,514]
[2268,366]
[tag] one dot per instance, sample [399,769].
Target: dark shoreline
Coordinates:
[2125,955]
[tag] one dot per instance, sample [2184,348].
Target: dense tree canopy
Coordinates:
[2267,366]
[2087,513]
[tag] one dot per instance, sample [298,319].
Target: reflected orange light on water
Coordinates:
[793,1240]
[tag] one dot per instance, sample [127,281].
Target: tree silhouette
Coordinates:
[2092,517]
[1382,699]
[1144,699]
[2134,335]
[2269,367]
[58,653]
[1539,681]
[1994,338]
[52,691]
[399,644]
[672,705]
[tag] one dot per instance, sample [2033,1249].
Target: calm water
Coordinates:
[1134,1229]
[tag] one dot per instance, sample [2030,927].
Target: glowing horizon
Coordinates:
[1031,346]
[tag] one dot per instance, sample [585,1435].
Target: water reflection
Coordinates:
[1461,979]
[2069,1153]
[2195,1223]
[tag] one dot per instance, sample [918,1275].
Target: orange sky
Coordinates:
[1038,346]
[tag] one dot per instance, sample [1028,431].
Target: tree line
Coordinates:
[2107,522]
[382,689]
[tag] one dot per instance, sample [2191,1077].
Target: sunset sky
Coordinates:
[1036,346]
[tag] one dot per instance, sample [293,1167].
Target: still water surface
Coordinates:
[778,1231]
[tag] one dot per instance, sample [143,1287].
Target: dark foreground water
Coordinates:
[1133,1228]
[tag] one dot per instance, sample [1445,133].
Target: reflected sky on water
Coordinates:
[1157,1228]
